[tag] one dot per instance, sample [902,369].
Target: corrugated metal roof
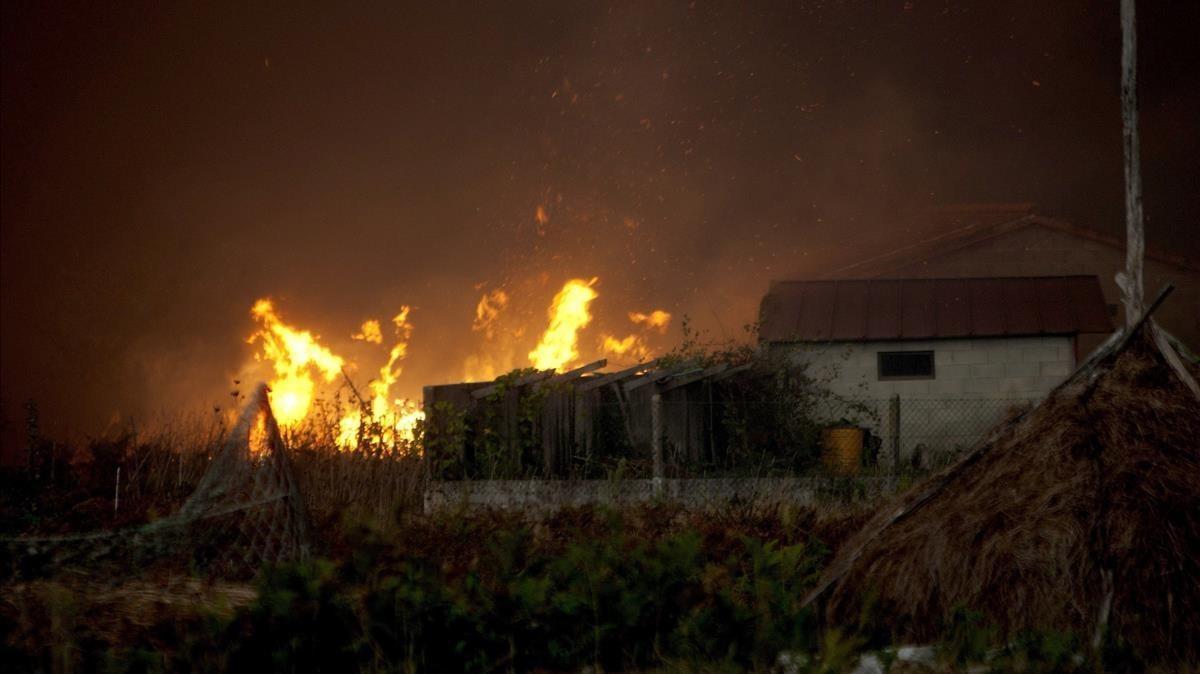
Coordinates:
[883,309]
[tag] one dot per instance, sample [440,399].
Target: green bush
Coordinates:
[637,589]
[304,620]
[609,597]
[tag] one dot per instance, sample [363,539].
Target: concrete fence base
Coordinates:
[697,494]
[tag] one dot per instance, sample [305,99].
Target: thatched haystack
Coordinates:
[1091,498]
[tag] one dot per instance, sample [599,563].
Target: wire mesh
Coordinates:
[245,512]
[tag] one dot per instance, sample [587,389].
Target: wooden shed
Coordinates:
[579,423]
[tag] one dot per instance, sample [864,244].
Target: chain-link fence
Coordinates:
[245,512]
[919,433]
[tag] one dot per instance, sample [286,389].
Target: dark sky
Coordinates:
[163,167]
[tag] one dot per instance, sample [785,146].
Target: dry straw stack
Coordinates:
[1083,516]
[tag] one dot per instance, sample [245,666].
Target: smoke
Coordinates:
[164,168]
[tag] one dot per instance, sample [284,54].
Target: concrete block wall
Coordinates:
[976,383]
[540,497]
[992,368]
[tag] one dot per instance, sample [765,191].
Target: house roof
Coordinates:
[895,309]
[950,228]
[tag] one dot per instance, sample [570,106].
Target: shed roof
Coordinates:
[891,309]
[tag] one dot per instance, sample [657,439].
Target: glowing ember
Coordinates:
[568,315]
[295,355]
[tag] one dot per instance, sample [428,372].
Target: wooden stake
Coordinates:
[1130,280]
[656,443]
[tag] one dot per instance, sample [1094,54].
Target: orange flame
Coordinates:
[369,332]
[631,347]
[300,362]
[657,320]
[488,310]
[294,355]
[399,423]
[568,315]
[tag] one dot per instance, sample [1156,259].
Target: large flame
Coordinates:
[302,365]
[397,418]
[568,315]
[294,355]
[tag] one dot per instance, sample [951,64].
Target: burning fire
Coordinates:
[399,422]
[488,310]
[294,354]
[559,348]
[633,348]
[301,364]
[568,315]
[657,320]
[369,332]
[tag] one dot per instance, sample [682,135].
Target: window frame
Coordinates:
[879,355]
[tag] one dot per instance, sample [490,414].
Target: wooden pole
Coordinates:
[1130,280]
[894,431]
[656,444]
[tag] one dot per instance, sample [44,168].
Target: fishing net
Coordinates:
[246,512]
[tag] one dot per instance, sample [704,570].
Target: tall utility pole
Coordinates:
[1135,242]
[1130,280]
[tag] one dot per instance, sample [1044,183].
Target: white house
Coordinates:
[935,362]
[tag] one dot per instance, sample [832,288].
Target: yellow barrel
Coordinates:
[842,449]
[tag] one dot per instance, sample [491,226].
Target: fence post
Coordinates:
[656,442]
[894,430]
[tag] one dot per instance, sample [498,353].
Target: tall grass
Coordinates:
[74,487]
[371,483]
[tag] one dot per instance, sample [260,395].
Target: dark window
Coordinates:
[906,365]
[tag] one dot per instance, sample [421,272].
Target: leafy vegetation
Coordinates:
[488,592]
[644,589]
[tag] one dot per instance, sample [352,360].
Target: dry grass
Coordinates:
[1102,478]
[357,486]
[54,618]
[73,488]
